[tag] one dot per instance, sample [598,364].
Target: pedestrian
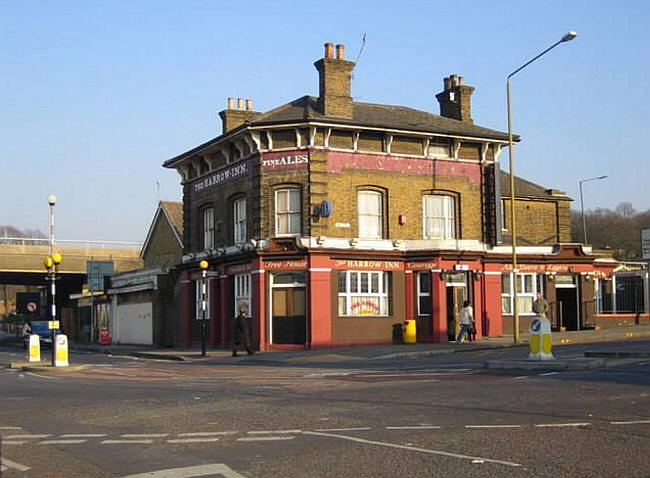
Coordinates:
[466,322]
[540,305]
[241,335]
[26,332]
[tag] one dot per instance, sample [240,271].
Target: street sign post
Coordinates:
[645,252]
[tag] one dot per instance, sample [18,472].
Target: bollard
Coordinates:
[34,348]
[540,339]
[61,351]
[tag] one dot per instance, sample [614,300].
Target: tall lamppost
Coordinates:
[582,206]
[50,263]
[203,265]
[513,225]
[51,200]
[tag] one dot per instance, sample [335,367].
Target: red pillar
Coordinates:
[408,284]
[320,306]
[215,330]
[258,279]
[479,306]
[439,306]
[224,311]
[493,323]
[186,309]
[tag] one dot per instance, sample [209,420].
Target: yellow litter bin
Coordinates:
[410,331]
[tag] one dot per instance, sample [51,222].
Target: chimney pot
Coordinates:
[231,103]
[461,80]
[340,52]
[446,83]
[249,104]
[240,103]
[329,50]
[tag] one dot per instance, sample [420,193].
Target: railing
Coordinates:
[40,241]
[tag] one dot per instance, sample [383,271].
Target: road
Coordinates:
[436,416]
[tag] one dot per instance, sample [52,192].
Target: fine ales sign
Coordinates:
[285,161]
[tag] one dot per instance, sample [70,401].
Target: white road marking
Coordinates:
[265,438]
[271,432]
[61,442]
[13,442]
[145,435]
[120,442]
[190,472]
[194,440]
[343,429]
[548,373]
[633,422]
[40,376]
[84,435]
[520,377]
[22,437]
[412,448]
[11,428]
[205,434]
[6,464]
[492,426]
[421,427]
[585,424]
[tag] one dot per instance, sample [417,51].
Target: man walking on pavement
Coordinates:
[241,334]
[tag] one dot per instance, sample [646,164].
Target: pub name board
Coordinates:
[285,161]
[221,177]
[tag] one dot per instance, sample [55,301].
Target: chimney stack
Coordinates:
[237,113]
[335,77]
[455,102]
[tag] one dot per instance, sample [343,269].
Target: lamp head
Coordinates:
[203,265]
[604,176]
[51,199]
[56,258]
[47,262]
[569,36]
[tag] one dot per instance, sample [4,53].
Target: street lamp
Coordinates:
[51,200]
[513,226]
[203,265]
[582,206]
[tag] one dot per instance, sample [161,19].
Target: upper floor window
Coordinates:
[439,218]
[208,228]
[370,214]
[287,212]
[239,220]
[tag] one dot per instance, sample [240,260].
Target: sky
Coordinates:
[95,95]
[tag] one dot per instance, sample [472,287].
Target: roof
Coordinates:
[172,211]
[370,115]
[525,188]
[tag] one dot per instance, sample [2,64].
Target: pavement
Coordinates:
[375,352]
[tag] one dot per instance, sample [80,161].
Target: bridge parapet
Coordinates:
[26,255]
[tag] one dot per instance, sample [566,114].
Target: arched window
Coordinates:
[439,216]
[370,211]
[208,228]
[239,220]
[287,212]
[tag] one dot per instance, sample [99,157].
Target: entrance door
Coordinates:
[456,295]
[288,299]
[566,295]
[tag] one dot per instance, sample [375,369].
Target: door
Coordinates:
[567,307]
[456,295]
[288,305]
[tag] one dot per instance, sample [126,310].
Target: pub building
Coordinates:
[331,220]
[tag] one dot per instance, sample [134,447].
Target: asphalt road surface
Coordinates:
[443,416]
